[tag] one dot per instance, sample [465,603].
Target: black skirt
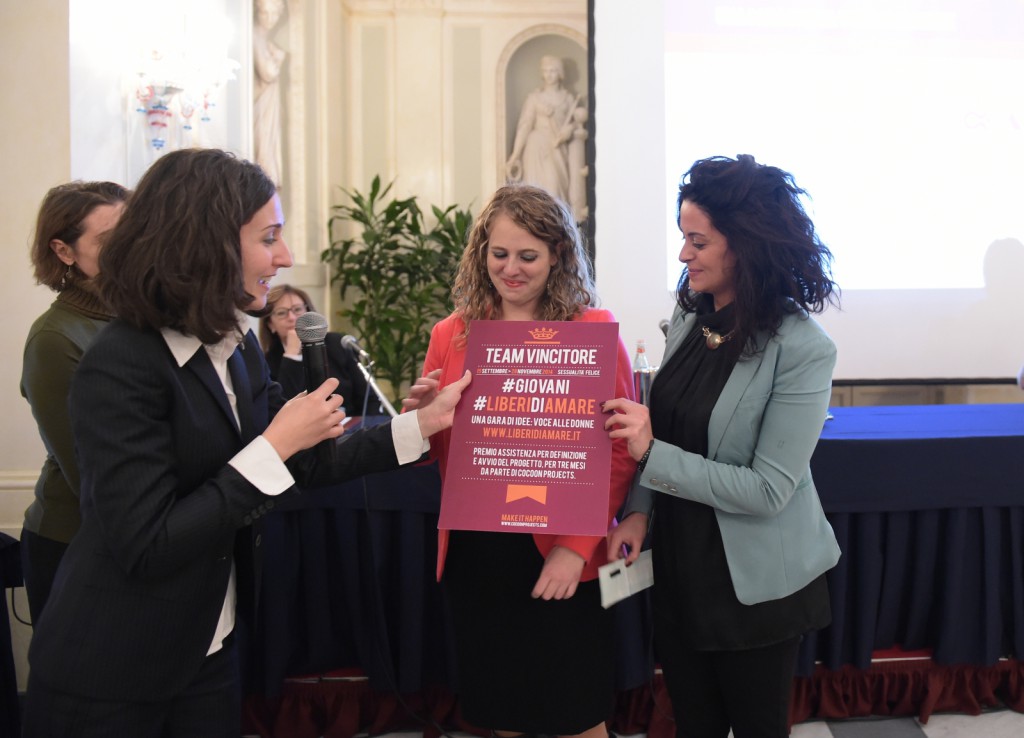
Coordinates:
[525,665]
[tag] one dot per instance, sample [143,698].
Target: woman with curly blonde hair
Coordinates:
[569,284]
[525,261]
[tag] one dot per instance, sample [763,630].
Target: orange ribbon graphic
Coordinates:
[523,491]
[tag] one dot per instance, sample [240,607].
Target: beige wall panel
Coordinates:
[418,112]
[464,148]
[371,150]
[36,146]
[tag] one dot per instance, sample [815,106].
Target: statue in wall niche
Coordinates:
[550,140]
[268,60]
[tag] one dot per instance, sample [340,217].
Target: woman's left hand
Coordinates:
[560,575]
[626,538]
[632,421]
[437,412]
[423,391]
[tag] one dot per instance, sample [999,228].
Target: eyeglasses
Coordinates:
[295,310]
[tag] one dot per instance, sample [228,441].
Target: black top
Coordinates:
[689,556]
[341,364]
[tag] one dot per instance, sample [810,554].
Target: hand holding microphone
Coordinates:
[306,420]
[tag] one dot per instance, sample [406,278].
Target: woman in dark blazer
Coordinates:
[184,442]
[740,542]
[281,344]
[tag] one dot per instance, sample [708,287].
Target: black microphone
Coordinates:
[312,330]
[663,325]
[351,343]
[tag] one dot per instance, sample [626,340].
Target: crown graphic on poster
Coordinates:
[543,334]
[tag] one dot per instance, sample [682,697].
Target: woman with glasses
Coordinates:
[284,352]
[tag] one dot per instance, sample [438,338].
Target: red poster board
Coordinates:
[528,451]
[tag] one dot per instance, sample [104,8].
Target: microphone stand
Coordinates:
[368,376]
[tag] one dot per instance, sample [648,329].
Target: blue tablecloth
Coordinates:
[923,457]
[927,503]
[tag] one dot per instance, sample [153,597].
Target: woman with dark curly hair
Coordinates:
[533,644]
[740,542]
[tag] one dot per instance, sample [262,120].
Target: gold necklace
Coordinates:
[714,340]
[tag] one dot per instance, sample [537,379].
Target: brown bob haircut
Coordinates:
[174,260]
[61,217]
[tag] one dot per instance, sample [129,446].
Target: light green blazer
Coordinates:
[757,476]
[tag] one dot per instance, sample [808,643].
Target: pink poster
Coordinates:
[529,453]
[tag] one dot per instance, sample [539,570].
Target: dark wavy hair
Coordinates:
[268,338]
[570,285]
[781,265]
[174,260]
[61,217]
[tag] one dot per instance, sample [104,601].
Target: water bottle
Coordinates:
[642,374]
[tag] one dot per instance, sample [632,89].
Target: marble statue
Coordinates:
[550,140]
[268,60]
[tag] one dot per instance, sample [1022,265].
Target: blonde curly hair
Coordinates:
[570,286]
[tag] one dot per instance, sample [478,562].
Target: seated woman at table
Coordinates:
[283,349]
[740,542]
[533,644]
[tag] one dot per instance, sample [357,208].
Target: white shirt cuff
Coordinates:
[259,463]
[405,433]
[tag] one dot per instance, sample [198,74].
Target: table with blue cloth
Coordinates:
[927,503]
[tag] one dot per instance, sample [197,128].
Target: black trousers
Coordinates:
[40,558]
[713,691]
[210,707]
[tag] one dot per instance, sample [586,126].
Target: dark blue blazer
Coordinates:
[138,595]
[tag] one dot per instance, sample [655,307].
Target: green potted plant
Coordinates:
[395,274]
